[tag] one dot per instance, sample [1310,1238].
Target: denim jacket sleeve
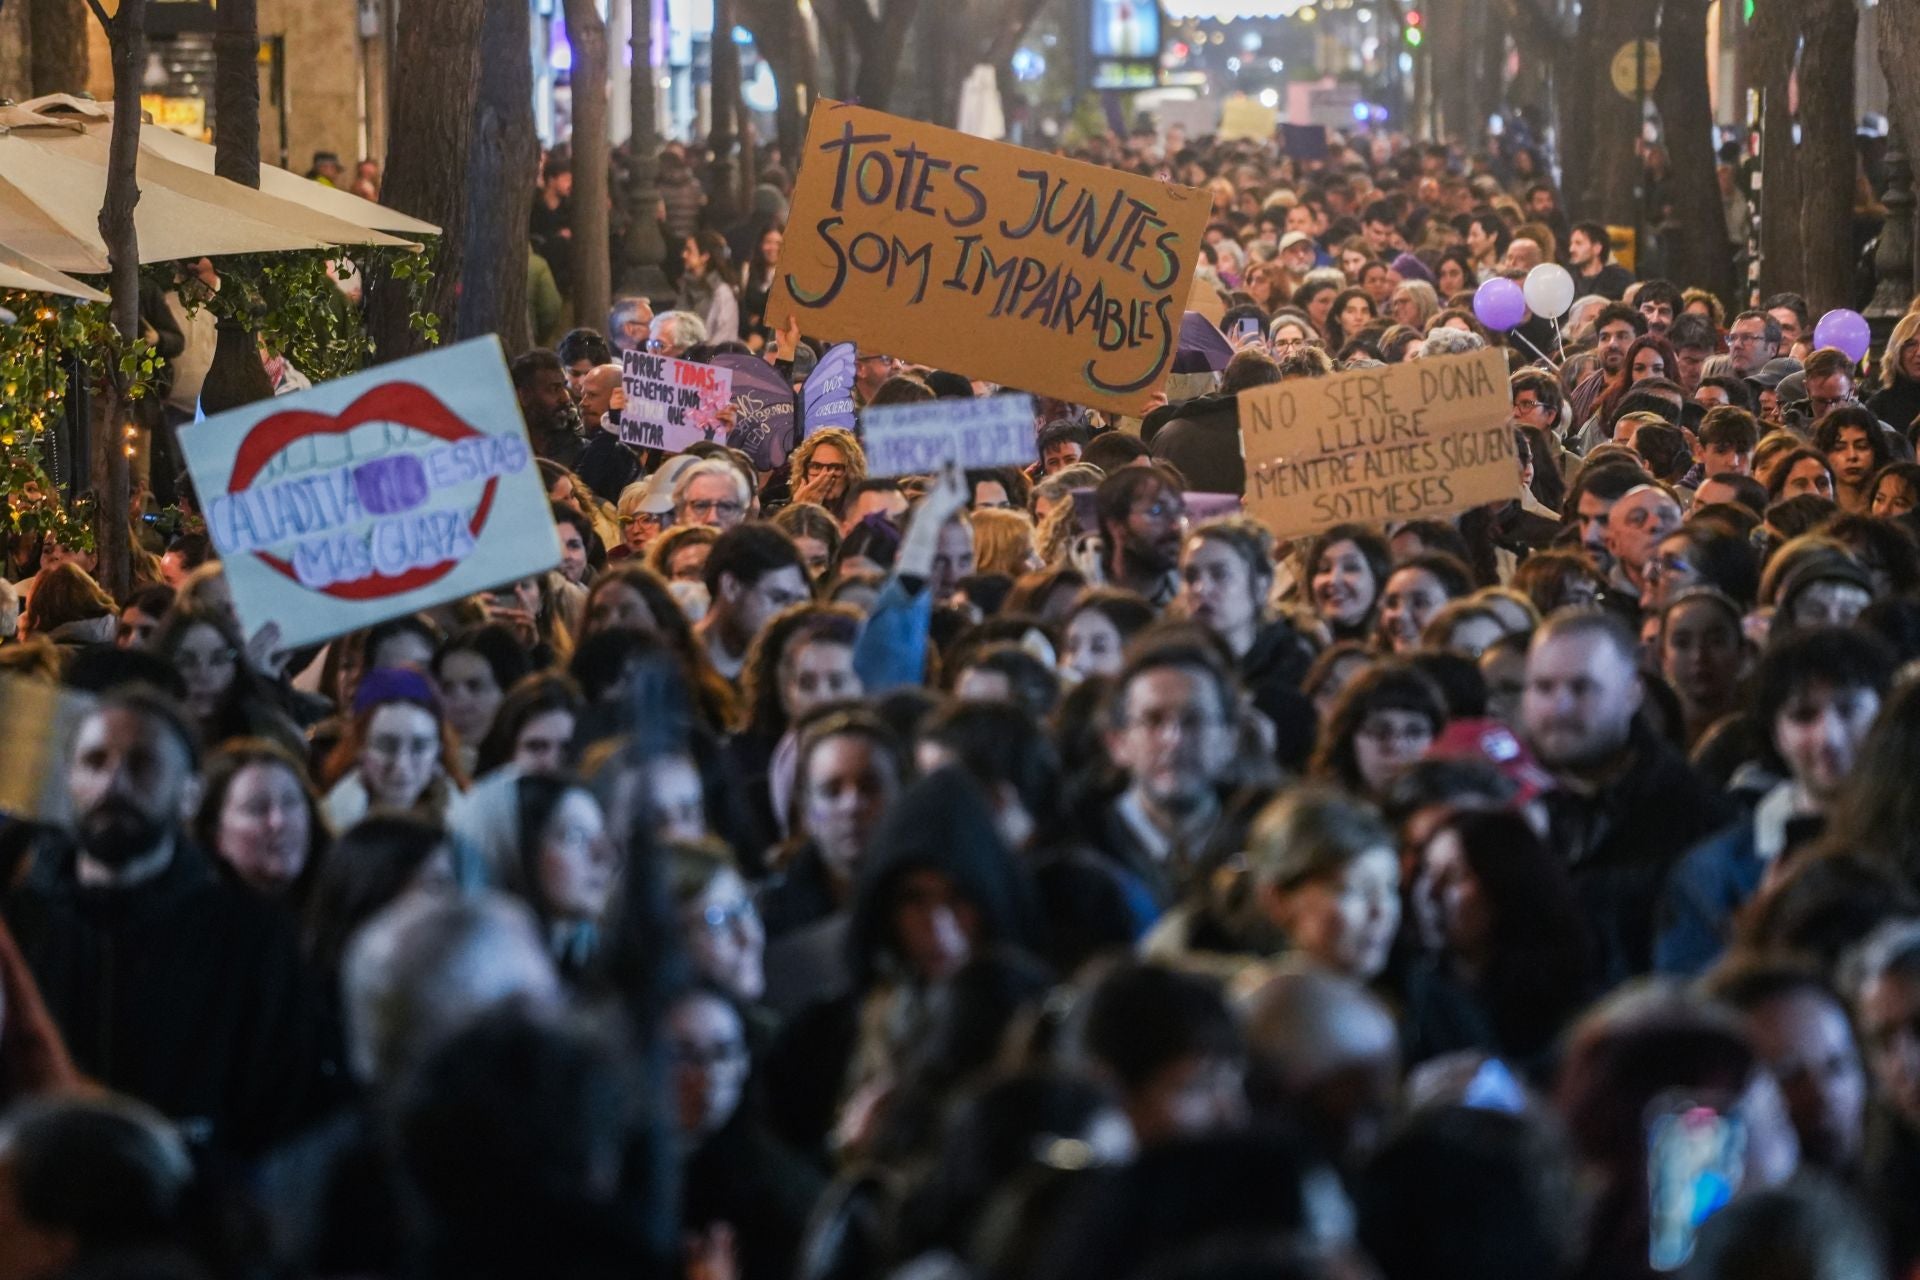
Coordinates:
[892,649]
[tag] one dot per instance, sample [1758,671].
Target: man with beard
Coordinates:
[1142,519]
[1614,330]
[1171,725]
[170,984]
[540,384]
[1626,805]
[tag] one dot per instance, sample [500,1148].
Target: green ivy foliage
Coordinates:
[290,299]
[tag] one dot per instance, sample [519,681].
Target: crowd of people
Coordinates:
[829,876]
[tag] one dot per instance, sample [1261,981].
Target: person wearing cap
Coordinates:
[643,511]
[1298,252]
[169,983]
[1816,693]
[1814,581]
[1766,386]
[397,755]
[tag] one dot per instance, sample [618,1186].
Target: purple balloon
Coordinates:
[1846,330]
[1500,304]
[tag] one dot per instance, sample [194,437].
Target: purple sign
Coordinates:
[763,405]
[827,396]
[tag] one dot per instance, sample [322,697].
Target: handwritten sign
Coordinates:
[828,395]
[916,439]
[991,260]
[1246,119]
[375,495]
[1406,442]
[672,403]
[762,409]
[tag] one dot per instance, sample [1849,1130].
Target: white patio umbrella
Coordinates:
[17,271]
[50,202]
[274,181]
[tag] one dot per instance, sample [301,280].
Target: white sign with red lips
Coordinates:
[373,496]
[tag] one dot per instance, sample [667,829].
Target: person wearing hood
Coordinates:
[1202,437]
[938,887]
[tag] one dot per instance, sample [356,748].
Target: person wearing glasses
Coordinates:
[1753,340]
[870,370]
[711,492]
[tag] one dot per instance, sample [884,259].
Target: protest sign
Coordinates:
[672,403]
[1404,442]
[917,439]
[34,766]
[990,260]
[762,409]
[1244,119]
[373,496]
[827,397]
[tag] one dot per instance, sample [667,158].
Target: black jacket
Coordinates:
[1202,439]
[1621,842]
[607,466]
[1272,670]
[185,992]
[941,823]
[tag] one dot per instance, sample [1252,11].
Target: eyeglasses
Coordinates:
[715,507]
[1189,724]
[720,918]
[732,1053]
[1744,339]
[1162,510]
[827,468]
[1386,733]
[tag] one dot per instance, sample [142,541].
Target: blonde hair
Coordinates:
[1002,541]
[840,438]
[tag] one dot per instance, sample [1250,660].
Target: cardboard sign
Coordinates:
[1244,119]
[1406,442]
[762,409]
[987,259]
[672,403]
[34,766]
[373,496]
[917,439]
[828,395]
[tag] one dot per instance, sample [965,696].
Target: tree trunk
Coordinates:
[1575,81]
[592,268]
[880,44]
[502,159]
[59,45]
[646,248]
[1899,31]
[236,92]
[127,31]
[1771,46]
[1828,166]
[16,50]
[723,172]
[1453,92]
[438,44]
[1616,176]
[1698,252]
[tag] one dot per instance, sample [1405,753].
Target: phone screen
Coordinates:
[1696,1156]
[1249,329]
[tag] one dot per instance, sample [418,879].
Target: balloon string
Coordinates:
[1521,338]
[1559,343]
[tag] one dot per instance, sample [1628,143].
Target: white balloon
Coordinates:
[1549,290]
